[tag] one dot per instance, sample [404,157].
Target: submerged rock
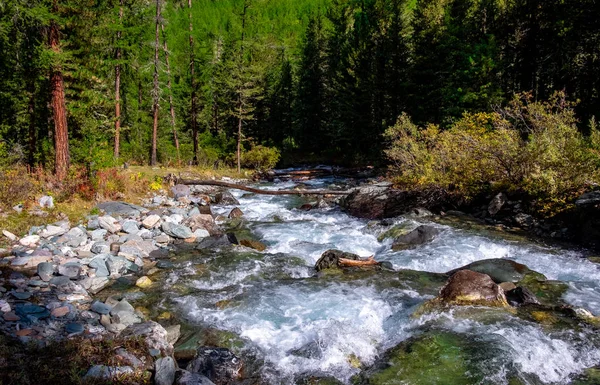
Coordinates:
[434,358]
[253,244]
[419,236]
[220,365]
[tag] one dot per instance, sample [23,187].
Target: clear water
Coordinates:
[304,325]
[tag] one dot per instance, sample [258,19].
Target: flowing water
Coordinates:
[297,324]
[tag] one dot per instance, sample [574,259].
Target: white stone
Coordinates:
[51,231]
[201,233]
[9,235]
[151,221]
[109,223]
[30,240]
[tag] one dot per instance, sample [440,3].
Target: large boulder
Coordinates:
[155,336]
[376,202]
[203,221]
[419,236]
[468,287]
[330,259]
[225,198]
[176,231]
[220,365]
[121,208]
[499,269]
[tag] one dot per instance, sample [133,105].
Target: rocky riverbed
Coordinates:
[228,287]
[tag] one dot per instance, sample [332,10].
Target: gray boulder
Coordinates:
[121,208]
[420,235]
[177,231]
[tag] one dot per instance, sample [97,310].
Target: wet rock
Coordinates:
[109,223]
[497,203]
[468,287]
[396,231]
[499,269]
[432,358]
[173,333]
[215,242]
[507,286]
[523,220]
[164,371]
[121,208]
[177,231]
[235,213]
[588,199]
[186,378]
[225,198]
[377,202]
[154,335]
[220,365]
[330,259]
[521,296]
[253,244]
[419,236]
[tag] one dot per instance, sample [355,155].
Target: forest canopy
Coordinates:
[204,81]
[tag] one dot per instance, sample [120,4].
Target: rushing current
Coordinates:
[299,324]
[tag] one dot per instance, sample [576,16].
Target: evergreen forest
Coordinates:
[207,82]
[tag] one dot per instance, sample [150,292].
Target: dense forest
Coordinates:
[210,82]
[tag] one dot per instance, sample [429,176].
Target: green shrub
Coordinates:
[260,157]
[532,147]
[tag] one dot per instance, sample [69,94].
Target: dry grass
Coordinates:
[76,198]
[66,362]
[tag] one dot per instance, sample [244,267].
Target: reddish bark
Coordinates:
[193,85]
[59,111]
[155,103]
[118,89]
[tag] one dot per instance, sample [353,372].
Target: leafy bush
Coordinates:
[261,157]
[532,147]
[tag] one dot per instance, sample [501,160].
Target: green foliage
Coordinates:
[528,146]
[261,157]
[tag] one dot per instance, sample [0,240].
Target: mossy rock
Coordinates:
[590,376]
[396,231]
[548,292]
[422,281]
[442,358]
[318,381]
[191,339]
[499,269]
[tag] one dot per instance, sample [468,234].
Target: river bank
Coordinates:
[241,279]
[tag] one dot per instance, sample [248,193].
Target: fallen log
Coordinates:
[344,262]
[191,182]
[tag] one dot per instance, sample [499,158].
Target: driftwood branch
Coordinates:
[344,262]
[259,191]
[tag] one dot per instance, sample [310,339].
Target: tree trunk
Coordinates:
[239,141]
[259,191]
[32,131]
[171,107]
[59,110]
[118,87]
[193,86]
[155,102]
